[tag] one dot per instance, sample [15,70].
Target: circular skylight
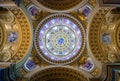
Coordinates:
[59,39]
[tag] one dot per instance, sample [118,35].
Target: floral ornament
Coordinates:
[13,36]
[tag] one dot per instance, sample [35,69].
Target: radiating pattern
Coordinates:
[60,39]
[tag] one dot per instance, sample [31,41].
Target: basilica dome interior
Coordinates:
[59,40]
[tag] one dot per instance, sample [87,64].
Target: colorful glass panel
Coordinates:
[60,39]
[12,37]
[30,64]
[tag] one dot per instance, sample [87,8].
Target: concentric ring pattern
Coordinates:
[59,38]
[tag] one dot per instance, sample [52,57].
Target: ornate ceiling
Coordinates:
[60,37]
[15,28]
[59,5]
[59,40]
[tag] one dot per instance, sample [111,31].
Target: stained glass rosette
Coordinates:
[60,39]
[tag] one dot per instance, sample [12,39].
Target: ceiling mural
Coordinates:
[59,40]
[60,37]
